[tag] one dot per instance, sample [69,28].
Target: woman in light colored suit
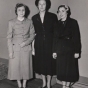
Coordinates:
[20,36]
[67,47]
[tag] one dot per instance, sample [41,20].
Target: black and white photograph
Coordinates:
[43,44]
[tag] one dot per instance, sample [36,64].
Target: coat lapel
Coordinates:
[67,23]
[62,27]
[45,18]
[38,18]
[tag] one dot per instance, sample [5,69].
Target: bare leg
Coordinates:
[19,83]
[48,81]
[64,84]
[68,84]
[24,83]
[44,80]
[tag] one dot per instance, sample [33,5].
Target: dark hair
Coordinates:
[67,8]
[27,11]
[48,4]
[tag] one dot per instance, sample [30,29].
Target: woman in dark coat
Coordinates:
[44,27]
[67,46]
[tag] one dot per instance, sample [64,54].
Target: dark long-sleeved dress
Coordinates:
[43,43]
[67,43]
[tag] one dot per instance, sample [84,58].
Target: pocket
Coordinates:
[16,47]
[27,48]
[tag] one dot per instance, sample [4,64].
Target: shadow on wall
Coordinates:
[4,60]
[3,68]
[27,12]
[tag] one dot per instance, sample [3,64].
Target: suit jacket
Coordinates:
[20,32]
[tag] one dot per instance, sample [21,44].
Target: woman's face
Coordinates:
[21,11]
[62,13]
[42,5]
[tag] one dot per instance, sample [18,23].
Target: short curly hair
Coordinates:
[48,4]
[67,8]
[27,11]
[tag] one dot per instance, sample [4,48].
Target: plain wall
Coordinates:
[7,12]
[79,11]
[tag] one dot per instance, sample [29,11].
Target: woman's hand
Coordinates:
[22,44]
[33,49]
[33,52]
[76,55]
[54,55]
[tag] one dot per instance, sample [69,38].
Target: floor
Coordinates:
[36,83]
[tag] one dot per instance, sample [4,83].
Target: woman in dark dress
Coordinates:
[44,27]
[67,46]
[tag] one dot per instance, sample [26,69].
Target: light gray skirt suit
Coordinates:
[20,66]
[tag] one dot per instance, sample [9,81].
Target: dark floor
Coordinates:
[35,83]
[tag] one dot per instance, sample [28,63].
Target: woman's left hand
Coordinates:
[22,44]
[76,55]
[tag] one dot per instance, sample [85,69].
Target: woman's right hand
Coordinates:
[33,49]
[33,52]
[11,55]
[54,55]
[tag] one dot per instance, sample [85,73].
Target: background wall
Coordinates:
[7,8]
[79,9]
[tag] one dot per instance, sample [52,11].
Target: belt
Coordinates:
[67,38]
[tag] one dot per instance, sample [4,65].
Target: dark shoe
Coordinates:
[51,87]
[44,87]
[68,87]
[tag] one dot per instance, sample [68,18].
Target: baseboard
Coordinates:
[4,61]
[82,83]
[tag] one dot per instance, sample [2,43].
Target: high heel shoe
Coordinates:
[68,87]
[24,87]
[47,87]
[44,87]
[50,86]
[63,86]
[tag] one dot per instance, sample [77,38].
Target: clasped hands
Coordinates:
[21,45]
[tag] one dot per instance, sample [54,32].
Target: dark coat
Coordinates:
[44,42]
[67,37]
[67,42]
